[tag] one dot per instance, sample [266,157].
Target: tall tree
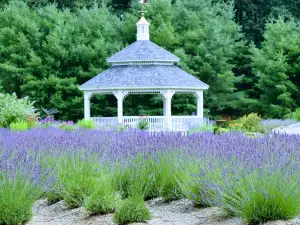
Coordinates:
[49,52]
[276,65]
[209,41]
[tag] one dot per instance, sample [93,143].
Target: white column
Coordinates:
[168,106]
[87,105]
[164,100]
[199,96]
[120,95]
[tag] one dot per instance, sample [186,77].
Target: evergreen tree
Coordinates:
[209,41]
[276,65]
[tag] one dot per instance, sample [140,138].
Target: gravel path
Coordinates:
[180,212]
[291,129]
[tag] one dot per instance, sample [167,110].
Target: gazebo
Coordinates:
[145,68]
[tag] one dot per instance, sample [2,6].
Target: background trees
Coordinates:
[49,47]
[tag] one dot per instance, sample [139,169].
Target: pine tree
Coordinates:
[275,64]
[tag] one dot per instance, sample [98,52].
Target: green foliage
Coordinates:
[16,200]
[143,124]
[251,123]
[78,177]
[19,126]
[294,115]
[276,66]
[102,199]
[170,189]
[204,128]
[46,52]
[131,210]
[14,110]
[207,52]
[67,126]
[32,121]
[86,124]
[139,178]
[269,197]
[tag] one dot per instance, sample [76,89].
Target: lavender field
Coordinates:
[255,179]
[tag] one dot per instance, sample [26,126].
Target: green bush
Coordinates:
[54,196]
[67,126]
[103,198]
[131,210]
[143,124]
[32,121]
[170,189]
[14,109]
[86,124]
[16,200]
[259,198]
[139,178]
[294,115]
[204,128]
[19,126]
[251,123]
[78,177]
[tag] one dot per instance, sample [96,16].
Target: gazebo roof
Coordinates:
[143,66]
[144,77]
[143,51]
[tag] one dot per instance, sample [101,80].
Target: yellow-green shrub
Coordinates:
[19,126]
[86,124]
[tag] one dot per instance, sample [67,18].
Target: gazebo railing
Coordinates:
[155,123]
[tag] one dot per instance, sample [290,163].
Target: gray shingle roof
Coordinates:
[143,76]
[143,51]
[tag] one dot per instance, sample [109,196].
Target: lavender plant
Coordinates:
[256,179]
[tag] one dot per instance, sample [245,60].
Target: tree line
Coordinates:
[247,51]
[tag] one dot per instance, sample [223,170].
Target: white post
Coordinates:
[164,106]
[199,96]
[168,106]
[87,105]
[120,95]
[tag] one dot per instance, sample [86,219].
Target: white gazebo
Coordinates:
[145,68]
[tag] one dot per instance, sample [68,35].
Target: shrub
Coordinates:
[251,123]
[138,177]
[54,196]
[47,121]
[102,199]
[294,115]
[131,210]
[67,126]
[170,189]
[16,200]
[204,128]
[19,126]
[143,123]
[32,121]
[78,177]
[22,182]
[86,124]
[14,109]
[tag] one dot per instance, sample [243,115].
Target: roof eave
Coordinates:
[143,60]
[94,88]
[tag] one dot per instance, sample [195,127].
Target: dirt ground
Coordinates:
[181,212]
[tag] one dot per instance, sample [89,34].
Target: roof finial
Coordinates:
[143,4]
